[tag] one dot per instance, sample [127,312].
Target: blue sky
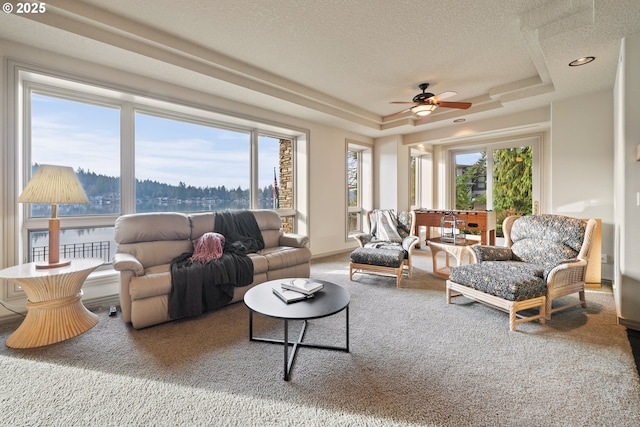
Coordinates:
[468,158]
[87,136]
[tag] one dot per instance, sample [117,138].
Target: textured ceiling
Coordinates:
[343,62]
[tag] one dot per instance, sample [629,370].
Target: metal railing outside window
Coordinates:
[100,250]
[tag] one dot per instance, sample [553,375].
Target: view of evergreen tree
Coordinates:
[465,183]
[512,181]
[512,184]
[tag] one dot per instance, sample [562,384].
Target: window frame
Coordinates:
[357,209]
[533,140]
[364,186]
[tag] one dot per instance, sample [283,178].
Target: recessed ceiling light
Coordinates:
[459,120]
[581,61]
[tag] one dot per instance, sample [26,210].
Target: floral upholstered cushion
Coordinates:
[383,257]
[363,238]
[510,280]
[548,227]
[404,224]
[547,240]
[492,253]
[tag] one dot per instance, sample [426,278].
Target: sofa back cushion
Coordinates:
[157,238]
[151,227]
[156,253]
[153,238]
[201,222]
[547,239]
[270,224]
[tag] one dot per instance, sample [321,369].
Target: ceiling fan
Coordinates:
[426,103]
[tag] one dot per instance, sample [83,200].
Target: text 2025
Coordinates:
[34,7]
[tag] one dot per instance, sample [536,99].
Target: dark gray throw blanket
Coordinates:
[240,230]
[198,287]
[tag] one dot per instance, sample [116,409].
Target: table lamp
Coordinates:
[55,185]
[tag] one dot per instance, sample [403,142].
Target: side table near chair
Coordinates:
[458,251]
[54,308]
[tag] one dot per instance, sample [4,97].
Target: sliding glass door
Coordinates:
[503,177]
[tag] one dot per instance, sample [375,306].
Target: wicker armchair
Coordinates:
[545,258]
[388,247]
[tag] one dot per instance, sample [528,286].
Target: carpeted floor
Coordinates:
[414,360]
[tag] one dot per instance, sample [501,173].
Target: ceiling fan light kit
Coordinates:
[424,109]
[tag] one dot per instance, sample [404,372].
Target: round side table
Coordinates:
[456,251]
[54,308]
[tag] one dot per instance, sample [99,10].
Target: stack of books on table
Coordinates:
[297,290]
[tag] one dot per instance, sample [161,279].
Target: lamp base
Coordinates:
[61,263]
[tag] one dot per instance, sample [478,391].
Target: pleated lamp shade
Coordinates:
[55,185]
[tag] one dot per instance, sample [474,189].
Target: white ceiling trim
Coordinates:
[106,27]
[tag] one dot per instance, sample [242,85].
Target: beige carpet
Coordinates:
[414,360]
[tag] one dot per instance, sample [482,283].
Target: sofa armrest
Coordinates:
[123,262]
[492,253]
[294,240]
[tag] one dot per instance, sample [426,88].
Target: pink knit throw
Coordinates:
[209,246]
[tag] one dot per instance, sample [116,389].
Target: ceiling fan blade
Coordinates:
[402,102]
[445,95]
[462,105]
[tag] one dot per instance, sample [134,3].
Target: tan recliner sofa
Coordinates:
[148,242]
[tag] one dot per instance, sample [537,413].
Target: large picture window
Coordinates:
[185,167]
[136,154]
[84,136]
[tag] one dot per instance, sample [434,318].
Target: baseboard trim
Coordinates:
[93,304]
[630,324]
[328,254]
[101,303]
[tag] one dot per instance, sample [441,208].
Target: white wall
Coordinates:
[581,153]
[391,173]
[627,183]
[328,204]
